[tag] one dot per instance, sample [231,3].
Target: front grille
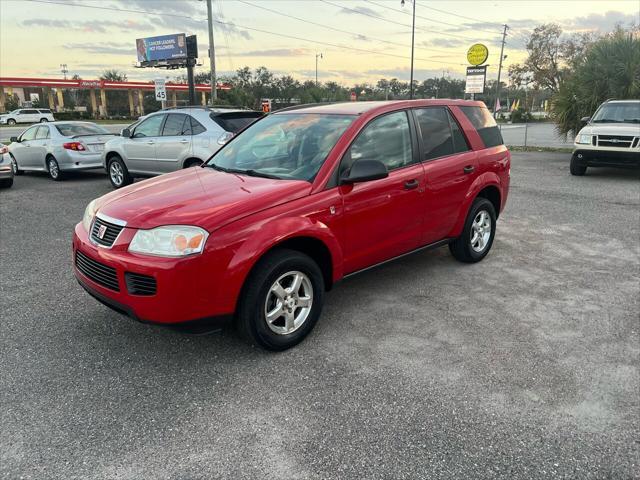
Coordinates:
[98,272]
[111,232]
[619,141]
[636,143]
[140,284]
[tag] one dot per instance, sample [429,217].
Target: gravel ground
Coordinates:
[522,366]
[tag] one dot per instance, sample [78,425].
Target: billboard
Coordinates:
[162,48]
[475,79]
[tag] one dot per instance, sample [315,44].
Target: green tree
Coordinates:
[608,68]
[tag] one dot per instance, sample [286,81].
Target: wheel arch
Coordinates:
[486,186]
[190,159]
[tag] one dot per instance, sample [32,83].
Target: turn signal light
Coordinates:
[77,146]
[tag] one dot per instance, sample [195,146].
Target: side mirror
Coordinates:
[585,120]
[14,139]
[365,171]
[125,133]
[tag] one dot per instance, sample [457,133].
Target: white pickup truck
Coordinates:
[611,138]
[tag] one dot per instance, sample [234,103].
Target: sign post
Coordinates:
[476,74]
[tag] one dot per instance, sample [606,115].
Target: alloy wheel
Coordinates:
[288,303]
[54,171]
[116,172]
[480,231]
[14,166]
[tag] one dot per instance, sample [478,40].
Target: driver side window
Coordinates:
[386,139]
[149,127]
[29,134]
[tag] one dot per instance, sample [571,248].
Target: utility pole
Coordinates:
[495,105]
[413,36]
[212,52]
[318,55]
[64,70]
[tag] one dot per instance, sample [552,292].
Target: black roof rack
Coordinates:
[205,107]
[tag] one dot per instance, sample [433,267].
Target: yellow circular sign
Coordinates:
[477,54]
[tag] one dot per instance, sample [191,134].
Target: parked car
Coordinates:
[299,200]
[59,147]
[611,138]
[170,140]
[6,167]
[27,115]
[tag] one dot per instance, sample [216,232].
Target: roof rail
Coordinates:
[205,107]
[304,105]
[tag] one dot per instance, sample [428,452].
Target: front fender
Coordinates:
[482,181]
[269,234]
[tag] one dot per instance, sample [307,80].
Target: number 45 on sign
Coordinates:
[161,89]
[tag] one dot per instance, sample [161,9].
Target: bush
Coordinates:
[520,116]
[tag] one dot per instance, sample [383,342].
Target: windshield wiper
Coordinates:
[605,120]
[631,120]
[250,172]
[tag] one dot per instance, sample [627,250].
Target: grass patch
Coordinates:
[519,148]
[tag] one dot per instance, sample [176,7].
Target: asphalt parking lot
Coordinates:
[522,366]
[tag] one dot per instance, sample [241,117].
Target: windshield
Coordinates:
[291,146]
[74,129]
[618,113]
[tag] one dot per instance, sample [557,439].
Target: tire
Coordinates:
[14,165]
[473,245]
[43,120]
[118,174]
[6,183]
[259,296]
[192,163]
[576,168]
[11,121]
[54,169]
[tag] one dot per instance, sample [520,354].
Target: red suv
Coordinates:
[296,202]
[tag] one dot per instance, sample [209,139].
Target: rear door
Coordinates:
[39,146]
[175,143]
[140,149]
[383,218]
[450,167]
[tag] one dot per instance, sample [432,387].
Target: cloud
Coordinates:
[92,26]
[106,48]
[404,73]
[358,10]
[275,52]
[603,22]
[166,6]
[445,42]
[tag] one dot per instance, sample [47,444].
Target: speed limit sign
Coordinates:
[161,89]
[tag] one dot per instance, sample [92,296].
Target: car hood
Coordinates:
[631,129]
[197,196]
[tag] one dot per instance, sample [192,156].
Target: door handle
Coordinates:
[411,184]
[468,169]
[184,141]
[151,142]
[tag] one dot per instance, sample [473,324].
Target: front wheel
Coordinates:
[11,121]
[54,169]
[478,233]
[576,167]
[118,173]
[14,166]
[282,300]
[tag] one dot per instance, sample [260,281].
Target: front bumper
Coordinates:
[185,286]
[607,158]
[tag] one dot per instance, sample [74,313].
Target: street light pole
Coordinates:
[413,36]
[495,105]
[212,52]
[318,55]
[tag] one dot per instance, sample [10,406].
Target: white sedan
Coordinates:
[59,147]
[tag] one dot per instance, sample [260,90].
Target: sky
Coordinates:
[360,40]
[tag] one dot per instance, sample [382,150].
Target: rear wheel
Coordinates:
[43,120]
[14,165]
[54,169]
[576,167]
[282,300]
[118,173]
[478,233]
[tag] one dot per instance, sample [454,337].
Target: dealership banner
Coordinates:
[164,47]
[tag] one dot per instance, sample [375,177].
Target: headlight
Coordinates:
[89,213]
[583,139]
[169,241]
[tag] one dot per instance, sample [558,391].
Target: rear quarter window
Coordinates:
[235,121]
[484,123]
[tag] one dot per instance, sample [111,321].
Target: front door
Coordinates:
[383,218]
[140,149]
[22,150]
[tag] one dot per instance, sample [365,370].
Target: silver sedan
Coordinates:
[59,147]
[6,167]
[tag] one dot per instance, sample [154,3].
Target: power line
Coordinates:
[355,34]
[230,24]
[393,21]
[495,32]
[475,20]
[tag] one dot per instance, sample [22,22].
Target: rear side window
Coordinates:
[234,121]
[459,141]
[45,111]
[175,125]
[484,123]
[196,127]
[30,112]
[435,131]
